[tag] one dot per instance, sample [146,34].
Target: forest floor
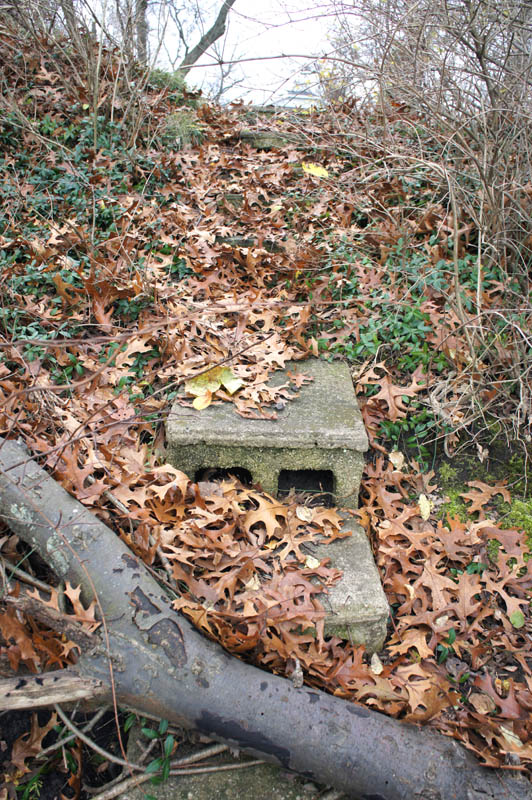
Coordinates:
[188,255]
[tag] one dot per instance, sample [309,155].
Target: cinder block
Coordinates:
[320,434]
[357,608]
[318,437]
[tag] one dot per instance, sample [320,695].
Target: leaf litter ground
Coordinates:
[125,275]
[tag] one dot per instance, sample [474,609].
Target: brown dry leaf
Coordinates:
[433,582]
[509,707]
[85,616]
[250,304]
[512,539]
[393,395]
[482,703]
[413,637]
[18,639]
[268,515]
[483,493]
[30,744]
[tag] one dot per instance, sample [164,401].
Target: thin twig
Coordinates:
[93,746]
[61,742]
[17,572]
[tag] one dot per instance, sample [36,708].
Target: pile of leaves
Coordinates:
[132,277]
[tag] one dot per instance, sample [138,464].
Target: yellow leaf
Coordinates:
[314,169]
[425,506]
[208,382]
[311,562]
[230,381]
[202,401]
[212,380]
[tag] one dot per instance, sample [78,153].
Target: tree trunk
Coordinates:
[141,23]
[162,666]
[214,33]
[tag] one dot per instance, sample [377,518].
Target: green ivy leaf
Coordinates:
[155,765]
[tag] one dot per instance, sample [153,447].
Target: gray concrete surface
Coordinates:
[357,608]
[321,430]
[259,782]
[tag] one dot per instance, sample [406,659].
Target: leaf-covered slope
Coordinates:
[134,259]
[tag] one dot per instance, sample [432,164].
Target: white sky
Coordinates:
[260,30]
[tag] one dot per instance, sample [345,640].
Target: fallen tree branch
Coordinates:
[38,691]
[162,666]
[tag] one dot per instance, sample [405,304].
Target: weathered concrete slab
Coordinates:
[322,430]
[259,782]
[357,608]
[268,140]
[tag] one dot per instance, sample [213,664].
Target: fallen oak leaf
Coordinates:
[268,514]
[85,616]
[512,540]
[413,637]
[393,395]
[509,707]
[291,541]
[29,744]
[483,493]
[20,643]
[482,703]
[180,480]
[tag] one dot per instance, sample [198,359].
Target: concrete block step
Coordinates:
[357,608]
[317,442]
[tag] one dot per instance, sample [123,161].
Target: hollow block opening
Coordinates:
[222,473]
[318,482]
